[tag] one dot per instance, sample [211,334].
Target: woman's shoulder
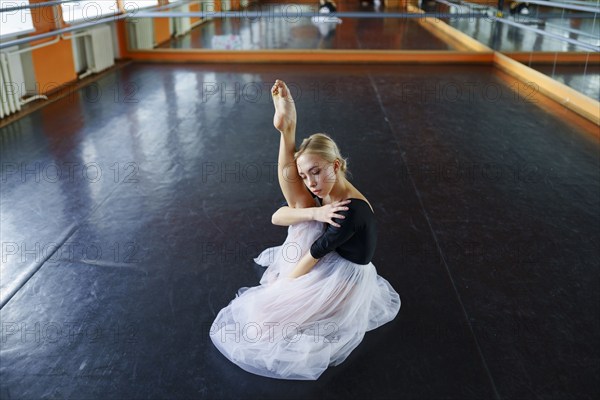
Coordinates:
[354,196]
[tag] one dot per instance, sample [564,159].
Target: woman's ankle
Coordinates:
[289,132]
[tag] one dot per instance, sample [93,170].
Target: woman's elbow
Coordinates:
[276,219]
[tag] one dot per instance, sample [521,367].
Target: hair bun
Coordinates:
[344,165]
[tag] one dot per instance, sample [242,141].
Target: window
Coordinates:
[132,5]
[88,10]
[15,22]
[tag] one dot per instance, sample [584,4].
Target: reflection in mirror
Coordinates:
[581,77]
[542,28]
[317,29]
[560,39]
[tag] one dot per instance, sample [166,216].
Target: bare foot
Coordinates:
[285,109]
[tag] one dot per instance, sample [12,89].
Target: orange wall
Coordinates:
[161,30]
[53,64]
[194,7]
[161,26]
[43,18]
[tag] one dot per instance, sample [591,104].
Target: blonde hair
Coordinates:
[323,146]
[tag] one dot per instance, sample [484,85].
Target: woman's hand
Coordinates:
[327,212]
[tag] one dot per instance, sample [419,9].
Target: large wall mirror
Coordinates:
[282,25]
[558,38]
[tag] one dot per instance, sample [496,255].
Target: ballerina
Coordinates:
[324,21]
[320,292]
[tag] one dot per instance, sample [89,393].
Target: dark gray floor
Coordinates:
[487,207]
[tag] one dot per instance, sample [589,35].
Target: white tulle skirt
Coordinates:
[295,328]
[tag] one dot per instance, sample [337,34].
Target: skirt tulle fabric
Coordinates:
[295,328]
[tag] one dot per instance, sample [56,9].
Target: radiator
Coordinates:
[141,33]
[12,83]
[99,52]
[182,25]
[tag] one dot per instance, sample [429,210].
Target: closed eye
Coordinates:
[313,172]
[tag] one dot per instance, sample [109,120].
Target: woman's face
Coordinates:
[318,175]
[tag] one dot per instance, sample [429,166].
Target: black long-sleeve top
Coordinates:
[355,239]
